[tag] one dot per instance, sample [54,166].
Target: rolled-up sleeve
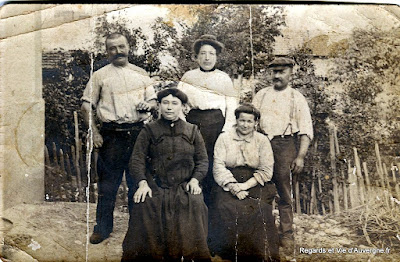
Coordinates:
[91,94]
[200,158]
[303,118]
[265,168]
[222,175]
[150,91]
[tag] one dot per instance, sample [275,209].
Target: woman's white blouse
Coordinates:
[232,151]
[211,90]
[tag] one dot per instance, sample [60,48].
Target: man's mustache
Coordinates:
[118,56]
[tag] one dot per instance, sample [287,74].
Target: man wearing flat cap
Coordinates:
[285,116]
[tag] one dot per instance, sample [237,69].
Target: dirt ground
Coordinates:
[56,231]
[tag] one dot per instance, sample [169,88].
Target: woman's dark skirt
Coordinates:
[168,226]
[210,123]
[244,230]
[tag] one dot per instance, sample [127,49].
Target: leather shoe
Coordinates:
[96,238]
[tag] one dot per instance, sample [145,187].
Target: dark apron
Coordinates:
[239,227]
[210,123]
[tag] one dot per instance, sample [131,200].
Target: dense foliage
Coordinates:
[367,109]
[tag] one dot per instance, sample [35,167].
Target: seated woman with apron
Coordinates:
[244,227]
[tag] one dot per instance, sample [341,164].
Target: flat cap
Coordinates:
[281,62]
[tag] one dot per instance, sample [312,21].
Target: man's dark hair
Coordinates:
[114,36]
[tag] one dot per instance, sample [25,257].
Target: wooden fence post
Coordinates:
[330,203]
[386,176]
[55,159]
[74,178]
[312,201]
[359,176]
[379,165]
[365,168]
[341,168]
[396,187]
[320,191]
[333,168]
[46,156]
[69,170]
[381,181]
[353,187]
[392,169]
[345,194]
[389,188]
[77,154]
[62,163]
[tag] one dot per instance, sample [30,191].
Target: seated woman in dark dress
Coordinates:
[169,218]
[243,163]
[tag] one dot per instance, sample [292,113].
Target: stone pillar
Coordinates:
[22,114]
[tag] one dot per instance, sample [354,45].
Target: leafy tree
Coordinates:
[230,23]
[368,70]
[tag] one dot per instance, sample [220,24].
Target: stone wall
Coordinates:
[21,103]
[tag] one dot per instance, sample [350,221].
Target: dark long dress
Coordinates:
[173,223]
[244,230]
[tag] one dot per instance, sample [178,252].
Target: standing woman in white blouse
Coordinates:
[212,99]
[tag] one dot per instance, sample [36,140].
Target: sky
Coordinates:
[304,22]
[79,34]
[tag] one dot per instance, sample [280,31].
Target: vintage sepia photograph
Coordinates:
[200,132]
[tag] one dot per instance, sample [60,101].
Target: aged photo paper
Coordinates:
[346,64]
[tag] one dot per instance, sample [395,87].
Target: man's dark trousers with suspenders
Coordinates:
[284,149]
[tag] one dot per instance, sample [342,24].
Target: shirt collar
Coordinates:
[238,138]
[170,122]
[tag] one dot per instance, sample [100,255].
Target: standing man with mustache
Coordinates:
[122,96]
[285,116]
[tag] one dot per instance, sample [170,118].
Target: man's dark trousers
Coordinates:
[113,160]
[284,149]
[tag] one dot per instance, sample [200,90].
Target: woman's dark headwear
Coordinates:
[172,90]
[207,40]
[247,108]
